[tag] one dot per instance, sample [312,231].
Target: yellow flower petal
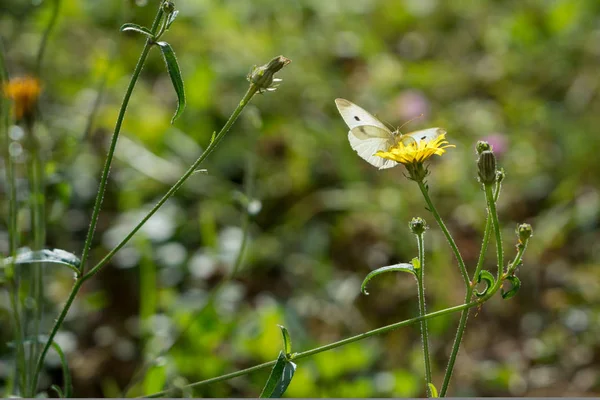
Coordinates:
[416,152]
[24,93]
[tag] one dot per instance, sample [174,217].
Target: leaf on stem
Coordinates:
[175,74]
[489,282]
[129,27]
[56,256]
[403,267]
[280,378]
[516,285]
[287,341]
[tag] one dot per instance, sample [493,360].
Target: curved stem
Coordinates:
[113,143]
[496,224]
[423,311]
[321,349]
[249,94]
[449,238]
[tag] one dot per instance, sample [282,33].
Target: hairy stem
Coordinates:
[99,197]
[321,349]
[113,143]
[423,311]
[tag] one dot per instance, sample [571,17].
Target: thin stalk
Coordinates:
[99,197]
[247,97]
[82,278]
[45,37]
[423,311]
[20,372]
[322,349]
[113,143]
[489,195]
[449,238]
[464,315]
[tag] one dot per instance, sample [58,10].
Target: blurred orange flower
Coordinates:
[24,92]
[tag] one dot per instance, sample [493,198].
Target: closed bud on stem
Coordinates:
[168,7]
[500,175]
[263,77]
[483,146]
[524,232]
[418,226]
[487,167]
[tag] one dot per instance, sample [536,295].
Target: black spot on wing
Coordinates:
[356,118]
[424,137]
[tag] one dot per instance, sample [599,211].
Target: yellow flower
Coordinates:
[413,152]
[24,93]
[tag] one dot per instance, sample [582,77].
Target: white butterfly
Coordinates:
[368,135]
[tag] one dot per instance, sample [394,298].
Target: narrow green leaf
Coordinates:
[66,373]
[516,285]
[56,256]
[287,341]
[172,17]
[175,74]
[489,282]
[286,379]
[136,28]
[404,267]
[433,390]
[275,377]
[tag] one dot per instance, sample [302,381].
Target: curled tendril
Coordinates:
[516,285]
[486,276]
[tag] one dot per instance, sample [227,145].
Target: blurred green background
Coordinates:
[522,74]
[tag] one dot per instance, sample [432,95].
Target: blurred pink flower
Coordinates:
[498,141]
[410,104]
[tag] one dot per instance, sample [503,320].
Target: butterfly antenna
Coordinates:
[409,121]
[385,122]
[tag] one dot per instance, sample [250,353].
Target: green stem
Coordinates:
[423,311]
[489,195]
[21,374]
[464,315]
[113,143]
[98,203]
[247,97]
[82,278]
[321,349]
[45,37]
[449,238]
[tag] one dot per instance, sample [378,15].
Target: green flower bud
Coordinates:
[524,232]
[418,225]
[500,175]
[168,7]
[487,167]
[262,77]
[483,146]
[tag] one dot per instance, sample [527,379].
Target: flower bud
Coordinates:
[262,77]
[524,232]
[168,7]
[487,167]
[483,146]
[418,225]
[500,175]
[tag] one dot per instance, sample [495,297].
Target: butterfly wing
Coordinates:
[366,148]
[426,134]
[354,116]
[367,134]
